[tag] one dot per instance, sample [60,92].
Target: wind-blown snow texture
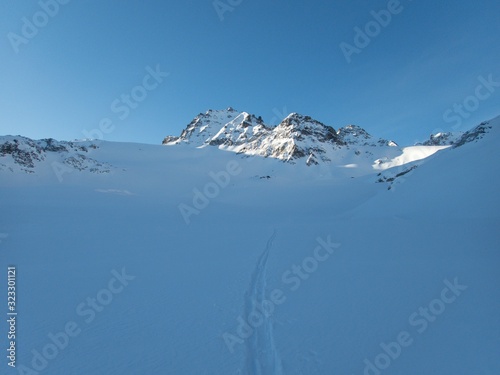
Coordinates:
[416,263]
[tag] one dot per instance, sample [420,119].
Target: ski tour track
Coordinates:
[262,355]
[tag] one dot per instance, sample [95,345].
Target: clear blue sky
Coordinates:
[263,57]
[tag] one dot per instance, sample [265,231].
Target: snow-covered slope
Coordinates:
[23,154]
[186,260]
[297,138]
[217,127]
[457,183]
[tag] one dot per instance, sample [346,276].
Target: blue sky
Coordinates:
[269,58]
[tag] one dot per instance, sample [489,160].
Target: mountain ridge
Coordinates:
[297,139]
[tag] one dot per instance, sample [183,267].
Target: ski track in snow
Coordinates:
[262,355]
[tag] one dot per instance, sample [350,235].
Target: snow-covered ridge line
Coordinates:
[295,137]
[349,151]
[298,138]
[19,153]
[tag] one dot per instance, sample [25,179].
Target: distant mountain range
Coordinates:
[297,139]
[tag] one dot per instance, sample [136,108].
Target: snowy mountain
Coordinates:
[475,134]
[296,138]
[356,136]
[457,139]
[350,150]
[443,139]
[23,154]
[209,126]
[195,260]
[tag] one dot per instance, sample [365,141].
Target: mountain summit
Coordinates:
[295,138]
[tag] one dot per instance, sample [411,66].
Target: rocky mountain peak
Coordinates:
[357,136]
[21,153]
[475,133]
[295,138]
[443,139]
